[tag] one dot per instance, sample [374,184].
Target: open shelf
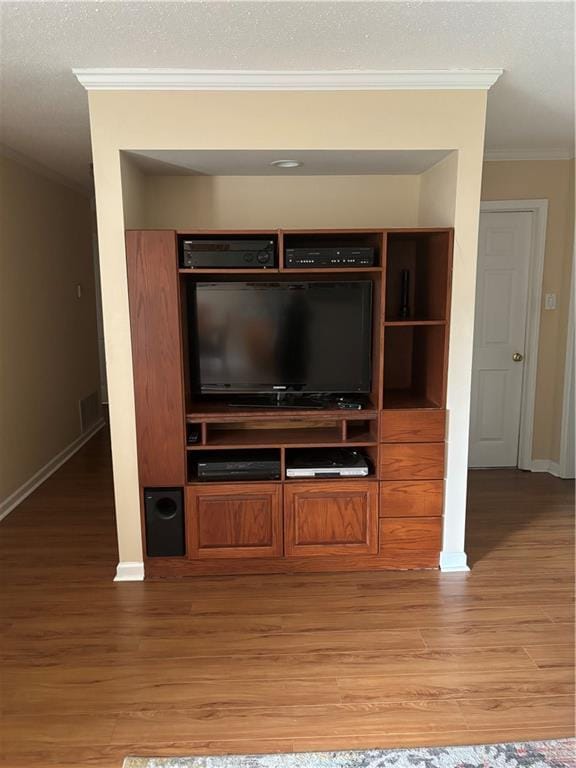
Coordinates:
[411,323]
[223,412]
[212,272]
[369,453]
[283,434]
[414,366]
[425,258]
[232,454]
[334,239]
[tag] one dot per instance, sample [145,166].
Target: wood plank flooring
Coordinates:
[93,671]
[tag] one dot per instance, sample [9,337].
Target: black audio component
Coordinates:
[345,256]
[228,254]
[240,465]
[164,522]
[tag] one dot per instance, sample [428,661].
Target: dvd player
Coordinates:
[228,254]
[240,465]
[345,256]
[327,462]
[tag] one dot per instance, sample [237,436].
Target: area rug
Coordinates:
[535,754]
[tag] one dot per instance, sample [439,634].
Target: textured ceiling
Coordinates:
[44,109]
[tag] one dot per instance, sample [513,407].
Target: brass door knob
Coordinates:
[517,357]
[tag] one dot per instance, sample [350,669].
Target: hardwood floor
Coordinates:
[94,671]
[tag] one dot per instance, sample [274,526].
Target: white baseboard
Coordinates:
[18,496]
[544,465]
[451,562]
[129,571]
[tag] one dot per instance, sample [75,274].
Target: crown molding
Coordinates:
[113,79]
[553,153]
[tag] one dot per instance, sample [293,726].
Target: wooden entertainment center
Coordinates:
[390,520]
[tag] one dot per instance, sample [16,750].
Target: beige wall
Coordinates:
[397,120]
[437,201]
[552,180]
[48,338]
[133,191]
[271,202]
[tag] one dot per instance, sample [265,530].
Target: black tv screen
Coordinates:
[268,337]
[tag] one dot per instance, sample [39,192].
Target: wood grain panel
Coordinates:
[234,521]
[412,461]
[338,518]
[157,356]
[412,426]
[417,498]
[407,535]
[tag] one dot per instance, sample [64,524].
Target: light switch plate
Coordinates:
[550,301]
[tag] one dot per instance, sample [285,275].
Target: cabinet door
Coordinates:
[226,521]
[331,518]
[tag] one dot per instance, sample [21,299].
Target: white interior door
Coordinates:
[499,337]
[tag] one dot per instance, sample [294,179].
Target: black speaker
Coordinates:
[164,522]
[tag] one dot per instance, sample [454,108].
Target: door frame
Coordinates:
[566,466]
[539,211]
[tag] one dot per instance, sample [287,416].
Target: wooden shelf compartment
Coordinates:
[215,411]
[285,433]
[194,457]
[333,239]
[415,359]
[369,451]
[240,236]
[427,257]
[412,323]
[215,272]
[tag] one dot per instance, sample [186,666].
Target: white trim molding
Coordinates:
[551,153]
[566,464]
[452,562]
[544,465]
[21,493]
[129,79]
[129,571]
[539,209]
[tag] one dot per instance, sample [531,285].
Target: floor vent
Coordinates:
[90,411]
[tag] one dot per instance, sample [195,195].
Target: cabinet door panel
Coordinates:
[412,426]
[234,521]
[330,518]
[156,356]
[412,461]
[416,498]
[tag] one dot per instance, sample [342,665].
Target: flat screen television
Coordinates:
[260,337]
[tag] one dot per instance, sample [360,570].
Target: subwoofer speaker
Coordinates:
[164,522]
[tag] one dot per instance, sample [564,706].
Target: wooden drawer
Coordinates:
[417,498]
[401,535]
[412,426]
[331,518]
[234,520]
[412,461]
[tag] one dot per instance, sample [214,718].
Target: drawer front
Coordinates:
[410,543]
[403,535]
[231,521]
[412,461]
[412,426]
[331,518]
[417,498]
